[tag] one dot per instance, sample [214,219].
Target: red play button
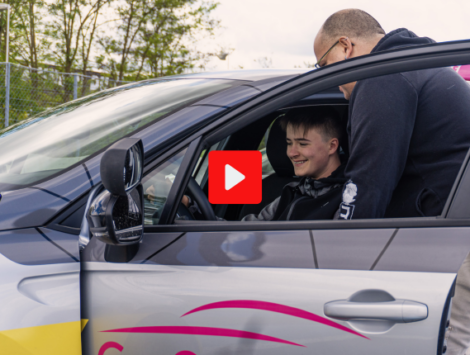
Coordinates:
[235,177]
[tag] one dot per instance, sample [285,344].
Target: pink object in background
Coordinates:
[463,70]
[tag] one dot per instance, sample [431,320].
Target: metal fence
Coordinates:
[26,91]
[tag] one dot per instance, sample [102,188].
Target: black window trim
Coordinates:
[181,181]
[232,226]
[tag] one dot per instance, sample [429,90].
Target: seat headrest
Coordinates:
[276,150]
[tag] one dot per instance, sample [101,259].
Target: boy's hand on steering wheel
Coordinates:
[185,200]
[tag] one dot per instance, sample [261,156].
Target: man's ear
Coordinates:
[346,46]
[334,146]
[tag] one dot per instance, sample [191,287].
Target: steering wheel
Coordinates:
[201,199]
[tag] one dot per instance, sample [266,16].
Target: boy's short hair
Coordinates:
[326,119]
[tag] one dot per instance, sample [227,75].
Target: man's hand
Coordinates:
[185,200]
[150,192]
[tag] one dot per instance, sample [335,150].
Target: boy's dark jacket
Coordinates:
[306,199]
[408,136]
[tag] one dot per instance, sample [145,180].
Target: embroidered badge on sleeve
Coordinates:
[346,208]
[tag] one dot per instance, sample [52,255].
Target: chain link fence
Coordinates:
[26,91]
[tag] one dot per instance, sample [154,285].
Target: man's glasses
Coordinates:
[317,64]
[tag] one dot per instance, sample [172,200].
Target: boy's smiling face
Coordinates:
[311,154]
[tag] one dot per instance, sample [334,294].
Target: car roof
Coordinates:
[242,74]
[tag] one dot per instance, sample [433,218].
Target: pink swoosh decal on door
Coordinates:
[274,307]
[110,345]
[218,332]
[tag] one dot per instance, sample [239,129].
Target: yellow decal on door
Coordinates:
[53,339]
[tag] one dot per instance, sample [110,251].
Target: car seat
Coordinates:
[276,148]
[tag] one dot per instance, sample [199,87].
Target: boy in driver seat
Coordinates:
[312,136]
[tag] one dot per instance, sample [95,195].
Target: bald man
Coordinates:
[408,132]
[408,135]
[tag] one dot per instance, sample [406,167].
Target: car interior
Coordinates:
[265,135]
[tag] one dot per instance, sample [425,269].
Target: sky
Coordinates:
[283,30]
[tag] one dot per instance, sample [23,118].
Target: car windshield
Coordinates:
[59,138]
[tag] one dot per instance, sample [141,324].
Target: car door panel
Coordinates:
[40,294]
[268,249]
[260,292]
[426,250]
[148,248]
[256,293]
[270,310]
[401,249]
[355,249]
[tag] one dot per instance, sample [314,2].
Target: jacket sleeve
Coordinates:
[380,127]
[266,213]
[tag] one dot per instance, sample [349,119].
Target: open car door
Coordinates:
[298,287]
[277,288]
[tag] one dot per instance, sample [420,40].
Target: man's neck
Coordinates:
[365,46]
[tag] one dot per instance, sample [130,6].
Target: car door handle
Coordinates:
[398,311]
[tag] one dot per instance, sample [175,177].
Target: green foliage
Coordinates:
[27,43]
[33,91]
[143,38]
[155,38]
[128,39]
[72,30]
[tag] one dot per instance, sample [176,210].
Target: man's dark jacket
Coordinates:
[408,136]
[307,199]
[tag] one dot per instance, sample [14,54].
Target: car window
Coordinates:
[64,136]
[157,185]
[200,171]
[202,164]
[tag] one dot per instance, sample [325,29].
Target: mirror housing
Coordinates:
[122,166]
[116,215]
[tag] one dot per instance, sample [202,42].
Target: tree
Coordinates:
[264,62]
[72,31]
[156,38]
[132,16]
[306,65]
[27,45]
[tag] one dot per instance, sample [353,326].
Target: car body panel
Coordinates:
[349,250]
[95,251]
[64,241]
[289,249]
[34,206]
[33,246]
[179,271]
[40,304]
[152,316]
[426,250]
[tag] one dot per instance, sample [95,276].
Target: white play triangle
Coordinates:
[232,177]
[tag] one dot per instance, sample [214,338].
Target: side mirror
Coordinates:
[116,215]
